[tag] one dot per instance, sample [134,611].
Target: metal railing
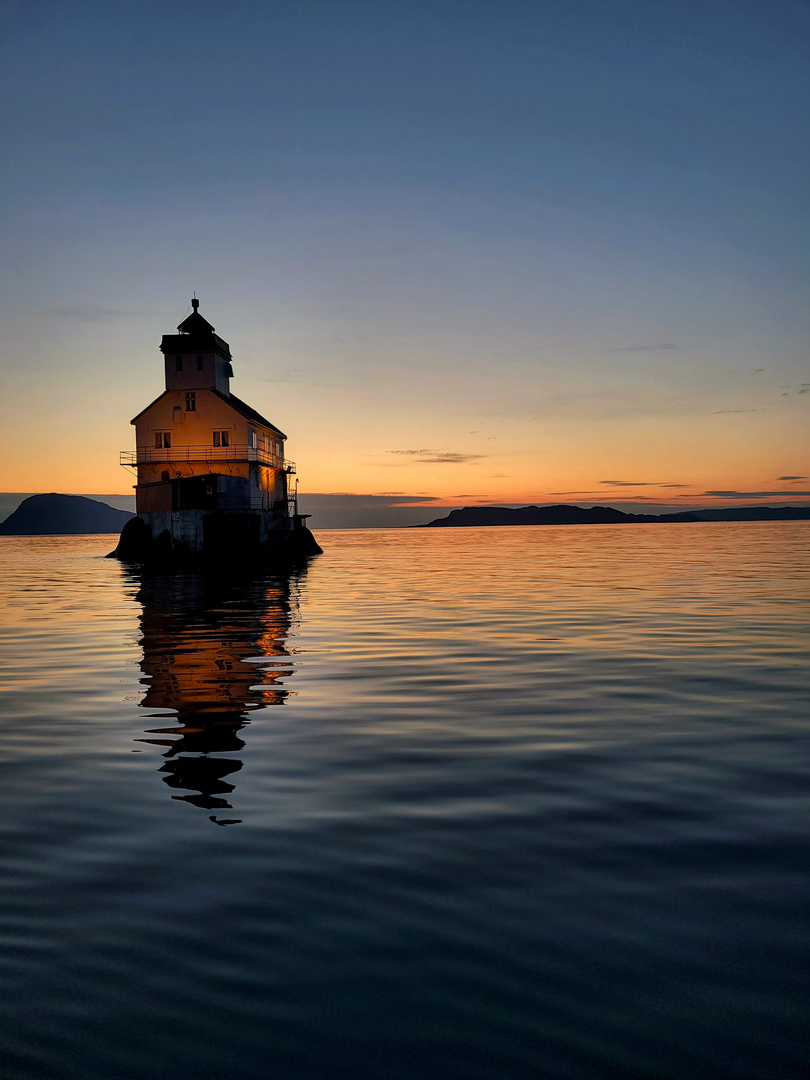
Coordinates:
[214,455]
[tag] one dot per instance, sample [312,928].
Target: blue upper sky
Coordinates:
[423,221]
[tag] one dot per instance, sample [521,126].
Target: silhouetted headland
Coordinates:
[52,514]
[566,514]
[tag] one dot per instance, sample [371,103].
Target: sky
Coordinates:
[463,253]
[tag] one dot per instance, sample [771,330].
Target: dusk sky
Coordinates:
[501,252]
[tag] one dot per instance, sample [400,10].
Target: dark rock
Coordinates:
[137,546]
[135,542]
[303,543]
[163,547]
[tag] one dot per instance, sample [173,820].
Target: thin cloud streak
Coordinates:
[642,483]
[755,494]
[629,483]
[664,346]
[439,457]
[384,498]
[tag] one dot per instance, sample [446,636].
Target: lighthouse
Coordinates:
[213,475]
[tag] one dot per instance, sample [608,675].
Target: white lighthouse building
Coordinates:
[212,472]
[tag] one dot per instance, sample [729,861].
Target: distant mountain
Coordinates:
[565,514]
[53,514]
[10,500]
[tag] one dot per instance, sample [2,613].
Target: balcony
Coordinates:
[209,455]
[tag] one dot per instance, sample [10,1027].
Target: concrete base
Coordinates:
[222,536]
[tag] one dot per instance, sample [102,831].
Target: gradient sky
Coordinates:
[511,252]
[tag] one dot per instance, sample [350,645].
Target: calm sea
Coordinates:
[474,803]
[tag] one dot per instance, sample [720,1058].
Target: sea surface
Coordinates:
[473,803]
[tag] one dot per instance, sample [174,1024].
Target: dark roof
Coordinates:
[195,343]
[195,323]
[247,412]
[240,406]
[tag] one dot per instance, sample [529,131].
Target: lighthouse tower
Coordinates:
[212,472]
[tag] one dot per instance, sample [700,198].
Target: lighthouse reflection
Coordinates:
[214,651]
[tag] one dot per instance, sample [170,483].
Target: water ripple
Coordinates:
[472,804]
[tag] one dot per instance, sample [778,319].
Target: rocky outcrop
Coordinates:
[134,543]
[303,543]
[137,544]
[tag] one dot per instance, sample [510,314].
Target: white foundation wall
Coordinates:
[187,530]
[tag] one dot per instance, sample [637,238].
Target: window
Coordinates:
[200,363]
[163,440]
[191,402]
[177,414]
[253,440]
[221,438]
[178,363]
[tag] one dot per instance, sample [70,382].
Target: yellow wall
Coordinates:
[195,430]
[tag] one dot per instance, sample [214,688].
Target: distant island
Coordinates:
[54,515]
[566,514]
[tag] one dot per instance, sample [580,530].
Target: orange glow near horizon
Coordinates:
[459,434]
[676,463]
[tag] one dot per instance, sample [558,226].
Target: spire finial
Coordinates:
[195,303]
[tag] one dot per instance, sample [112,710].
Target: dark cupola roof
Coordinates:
[195,323]
[196,336]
